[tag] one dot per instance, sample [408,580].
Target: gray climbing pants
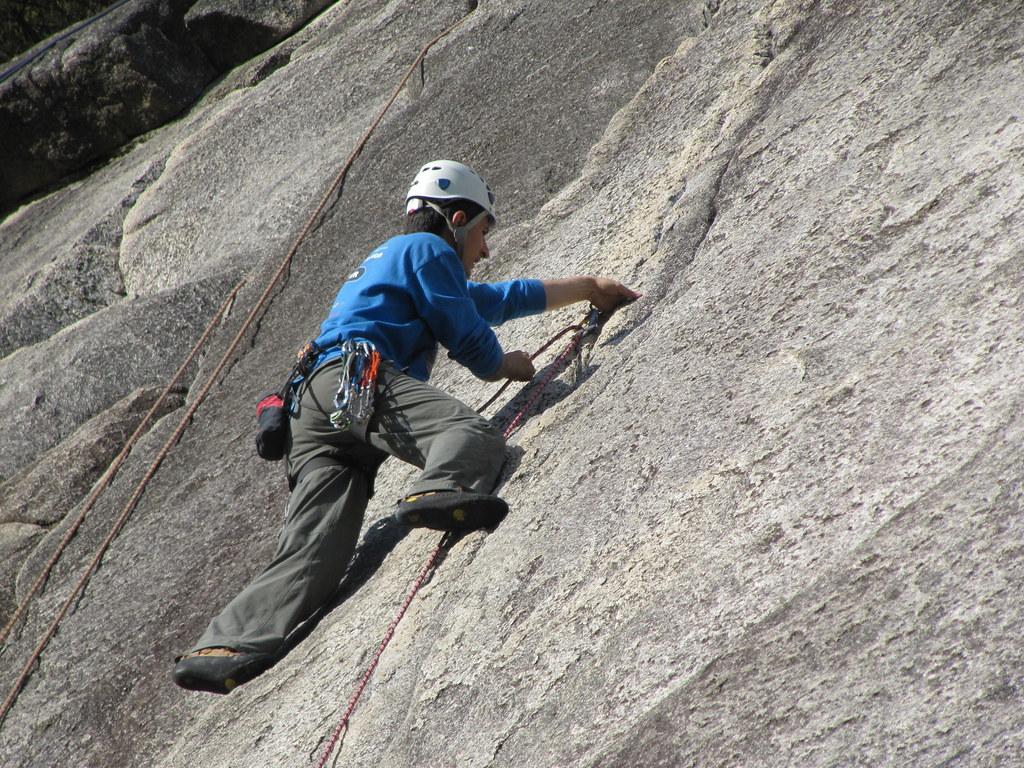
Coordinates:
[452,444]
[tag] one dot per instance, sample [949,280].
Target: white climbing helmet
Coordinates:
[448,180]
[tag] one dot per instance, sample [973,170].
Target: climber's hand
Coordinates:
[517,366]
[608,294]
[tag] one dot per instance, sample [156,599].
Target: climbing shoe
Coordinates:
[451,510]
[219,670]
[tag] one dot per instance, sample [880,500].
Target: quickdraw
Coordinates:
[357,384]
[592,326]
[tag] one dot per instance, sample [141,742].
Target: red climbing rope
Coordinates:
[508,383]
[424,574]
[539,389]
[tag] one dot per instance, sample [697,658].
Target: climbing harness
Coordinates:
[333,193]
[586,334]
[357,384]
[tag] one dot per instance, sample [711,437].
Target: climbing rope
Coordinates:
[508,383]
[586,332]
[425,572]
[331,193]
[569,350]
[108,476]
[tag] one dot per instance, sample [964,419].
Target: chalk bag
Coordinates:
[271,426]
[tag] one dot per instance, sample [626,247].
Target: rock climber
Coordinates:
[409,295]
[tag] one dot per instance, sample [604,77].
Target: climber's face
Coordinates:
[475,245]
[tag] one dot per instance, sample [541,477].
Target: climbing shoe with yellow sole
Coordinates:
[219,670]
[451,510]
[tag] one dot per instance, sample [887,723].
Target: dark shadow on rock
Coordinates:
[275,61]
[132,71]
[583,374]
[513,458]
[615,339]
[228,40]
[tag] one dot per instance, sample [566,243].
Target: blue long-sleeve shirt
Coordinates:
[411,293]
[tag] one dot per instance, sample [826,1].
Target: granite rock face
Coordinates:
[53,387]
[130,72]
[775,521]
[35,502]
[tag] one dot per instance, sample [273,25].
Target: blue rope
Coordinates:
[9,73]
